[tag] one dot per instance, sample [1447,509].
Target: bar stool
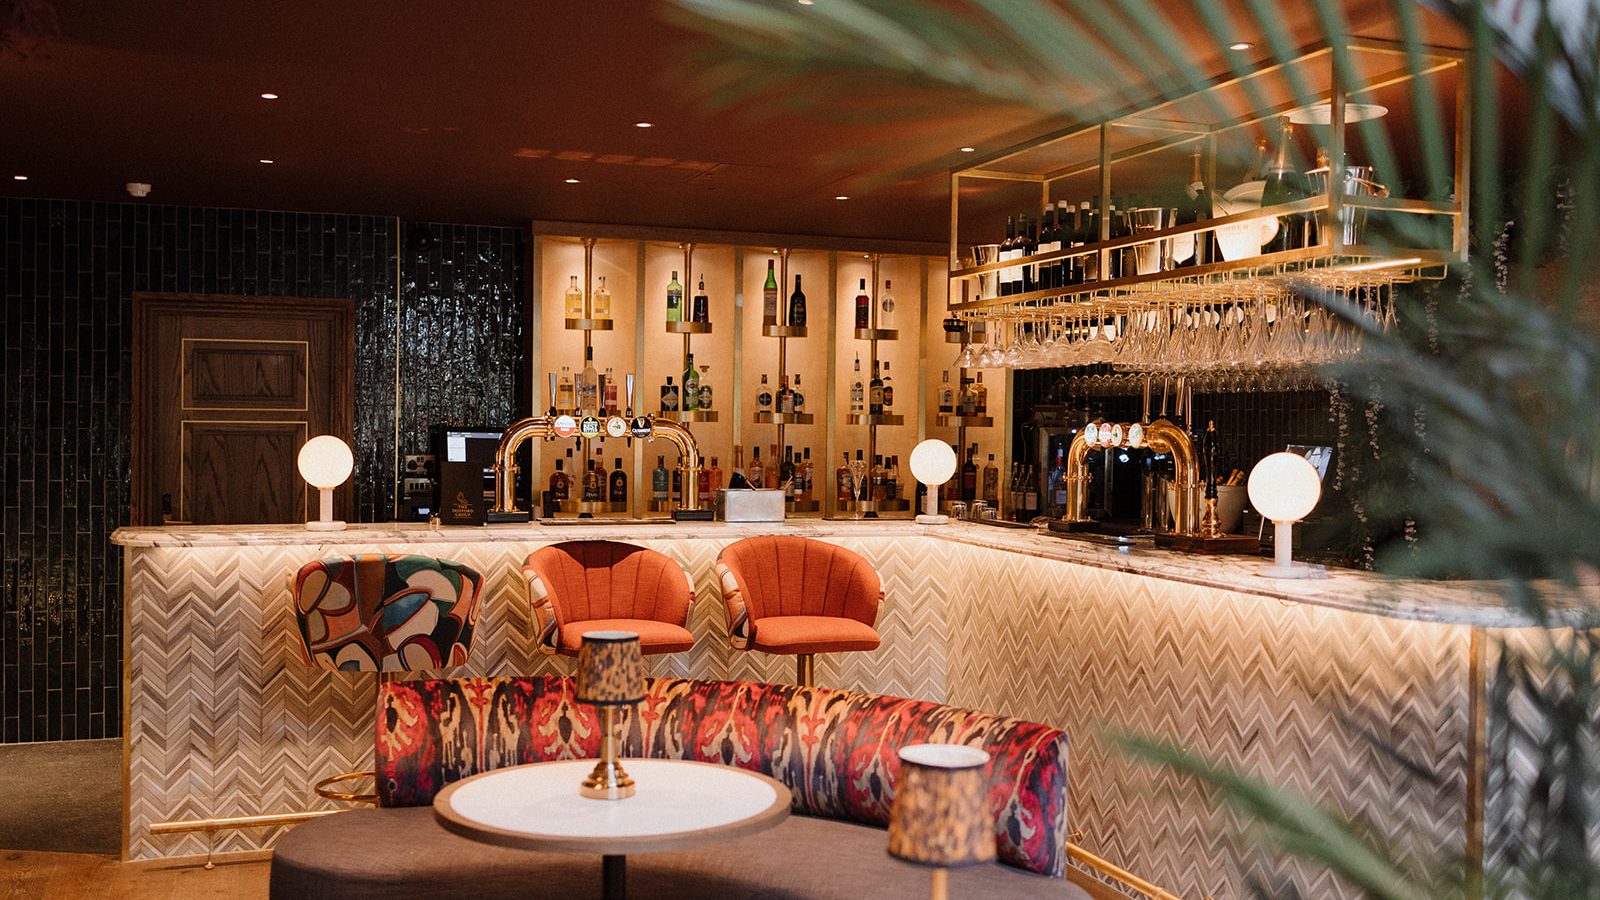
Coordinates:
[799,596]
[386,615]
[578,586]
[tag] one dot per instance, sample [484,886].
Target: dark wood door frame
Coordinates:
[146,309]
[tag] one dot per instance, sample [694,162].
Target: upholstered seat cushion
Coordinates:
[382,854]
[654,636]
[812,634]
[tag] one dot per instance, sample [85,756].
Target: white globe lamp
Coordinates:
[932,463]
[1284,487]
[325,463]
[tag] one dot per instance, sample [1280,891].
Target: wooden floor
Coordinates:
[30,875]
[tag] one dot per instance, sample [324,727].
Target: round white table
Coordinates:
[677,804]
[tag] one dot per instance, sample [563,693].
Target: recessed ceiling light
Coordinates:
[841,197]
[969,149]
[19,178]
[269,96]
[643,124]
[807,2]
[572,181]
[1242,45]
[266,162]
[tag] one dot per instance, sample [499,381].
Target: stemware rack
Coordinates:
[1324,78]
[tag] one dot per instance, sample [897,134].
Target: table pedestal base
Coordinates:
[614,877]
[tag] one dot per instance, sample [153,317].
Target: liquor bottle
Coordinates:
[980,397]
[769,297]
[1029,234]
[674,299]
[691,384]
[797,306]
[601,301]
[877,477]
[785,398]
[1049,242]
[786,474]
[1008,283]
[589,385]
[736,479]
[611,391]
[559,484]
[863,307]
[705,387]
[1067,270]
[593,481]
[701,310]
[1123,264]
[677,485]
[754,473]
[1194,249]
[1058,486]
[1258,168]
[969,475]
[703,484]
[669,396]
[619,484]
[857,391]
[966,398]
[566,394]
[716,476]
[888,390]
[991,483]
[771,470]
[1284,185]
[574,299]
[891,478]
[875,393]
[1030,491]
[844,485]
[807,472]
[796,398]
[1088,233]
[764,397]
[947,397]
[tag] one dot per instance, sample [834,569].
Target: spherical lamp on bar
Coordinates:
[325,463]
[941,816]
[933,463]
[1284,487]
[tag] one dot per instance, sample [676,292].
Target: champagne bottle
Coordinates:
[574,299]
[674,299]
[1193,249]
[863,307]
[797,306]
[1284,185]
[769,297]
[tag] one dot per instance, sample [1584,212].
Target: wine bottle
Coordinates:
[610,403]
[797,306]
[1030,245]
[863,307]
[969,475]
[574,299]
[1194,249]
[1066,233]
[701,309]
[593,480]
[1284,185]
[1008,282]
[705,388]
[1089,233]
[1049,242]
[785,398]
[769,298]
[674,299]
[786,472]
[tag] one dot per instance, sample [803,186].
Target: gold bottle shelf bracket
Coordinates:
[594,507]
[589,324]
[946,420]
[691,415]
[877,334]
[874,420]
[688,327]
[777,418]
[783,331]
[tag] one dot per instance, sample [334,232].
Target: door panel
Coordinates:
[226,390]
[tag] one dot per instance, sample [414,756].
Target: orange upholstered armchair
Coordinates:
[579,586]
[798,596]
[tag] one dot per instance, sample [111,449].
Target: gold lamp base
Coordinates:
[607,782]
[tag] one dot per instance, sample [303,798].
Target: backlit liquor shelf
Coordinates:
[798,366]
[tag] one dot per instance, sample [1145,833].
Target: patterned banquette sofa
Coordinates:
[836,750]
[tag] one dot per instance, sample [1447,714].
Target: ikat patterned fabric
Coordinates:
[376,613]
[836,750]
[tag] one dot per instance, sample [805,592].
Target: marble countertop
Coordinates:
[1455,602]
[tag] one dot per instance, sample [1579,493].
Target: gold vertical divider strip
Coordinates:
[830,409]
[1463,78]
[1477,759]
[395,461]
[535,325]
[639,498]
[922,365]
[736,371]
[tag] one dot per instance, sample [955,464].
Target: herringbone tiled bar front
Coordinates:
[225,720]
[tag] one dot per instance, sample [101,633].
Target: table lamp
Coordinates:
[610,674]
[1284,487]
[325,463]
[940,816]
[932,464]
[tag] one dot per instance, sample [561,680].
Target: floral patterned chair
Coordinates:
[578,586]
[385,615]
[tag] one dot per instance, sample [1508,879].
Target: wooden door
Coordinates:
[225,391]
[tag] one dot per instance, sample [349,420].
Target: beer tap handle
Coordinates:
[629,381]
[552,393]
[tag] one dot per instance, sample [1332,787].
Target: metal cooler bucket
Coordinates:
[1357,183]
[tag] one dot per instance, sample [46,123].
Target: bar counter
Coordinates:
[1279,678]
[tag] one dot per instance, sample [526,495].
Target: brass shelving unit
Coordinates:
[872,334]
[1323,79]
[588,325]
[688,329]
[784,333]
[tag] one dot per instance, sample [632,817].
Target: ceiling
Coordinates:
[480,112]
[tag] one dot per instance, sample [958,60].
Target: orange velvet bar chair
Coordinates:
[794,595]
[578,586]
